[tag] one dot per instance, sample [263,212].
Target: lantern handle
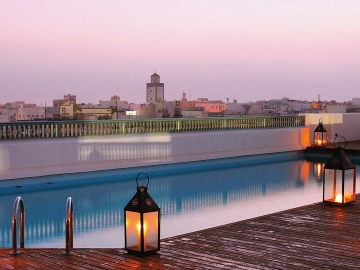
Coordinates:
[336,136]
[137,184]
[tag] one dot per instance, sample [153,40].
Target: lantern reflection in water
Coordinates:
[318,170]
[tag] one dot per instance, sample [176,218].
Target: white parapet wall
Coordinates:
[37,157]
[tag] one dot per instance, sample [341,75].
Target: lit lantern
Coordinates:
[339,179]
[142,222]
[320,135]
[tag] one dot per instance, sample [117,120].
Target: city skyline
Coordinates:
[215,49]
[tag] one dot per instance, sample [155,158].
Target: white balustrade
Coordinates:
[53,129]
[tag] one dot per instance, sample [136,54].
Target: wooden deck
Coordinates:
[317,236]
[352,148]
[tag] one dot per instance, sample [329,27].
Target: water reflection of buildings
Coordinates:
[123,150]
[100,207]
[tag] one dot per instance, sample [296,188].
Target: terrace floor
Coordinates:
[316,236]
[352,148]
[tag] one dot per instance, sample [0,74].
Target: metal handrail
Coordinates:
[337,136]
[69,226]
[18,201]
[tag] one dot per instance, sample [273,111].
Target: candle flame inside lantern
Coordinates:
[338,198]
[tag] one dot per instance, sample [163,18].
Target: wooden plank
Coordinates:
[316,236]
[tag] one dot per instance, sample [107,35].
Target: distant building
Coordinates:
[235,108]
[211,106]
[21,111]
[67,110]
[114,102]
[194,112]
[356,101]
[72,111]
[256,109]
[4,115]
[183,97]
[56,107]
[71,98]
[336,108]
[187,104]
[30,113]
[155,90]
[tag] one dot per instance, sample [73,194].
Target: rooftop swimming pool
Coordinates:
[192,196]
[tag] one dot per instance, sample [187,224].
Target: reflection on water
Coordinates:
[121,150]
[236,190]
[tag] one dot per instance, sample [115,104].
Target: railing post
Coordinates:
[69,226]
[18,201]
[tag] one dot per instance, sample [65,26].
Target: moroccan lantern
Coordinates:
[339,185]
[320,135]
[142,222]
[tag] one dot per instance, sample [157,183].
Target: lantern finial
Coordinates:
[141,188]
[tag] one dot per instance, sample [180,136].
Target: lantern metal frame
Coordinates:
[141,216]
[343,173]
[320,135]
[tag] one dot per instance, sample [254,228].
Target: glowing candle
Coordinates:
[338,198]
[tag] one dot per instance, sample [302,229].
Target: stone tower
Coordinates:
[155,90]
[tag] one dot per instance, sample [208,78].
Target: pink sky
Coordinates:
[244,50]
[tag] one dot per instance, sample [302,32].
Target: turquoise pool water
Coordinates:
[192,196]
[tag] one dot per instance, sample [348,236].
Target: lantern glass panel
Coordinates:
[320,138]
[333,186]
[151,231]
[349,185]
[133,231]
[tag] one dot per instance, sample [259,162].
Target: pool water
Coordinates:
[192,196]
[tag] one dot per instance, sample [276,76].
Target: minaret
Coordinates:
[155,90]
[183,97]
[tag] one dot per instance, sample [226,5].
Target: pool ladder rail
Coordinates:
[18,201]
[69,226]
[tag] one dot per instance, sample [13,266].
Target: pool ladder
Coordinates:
[18,201]
[69,226]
